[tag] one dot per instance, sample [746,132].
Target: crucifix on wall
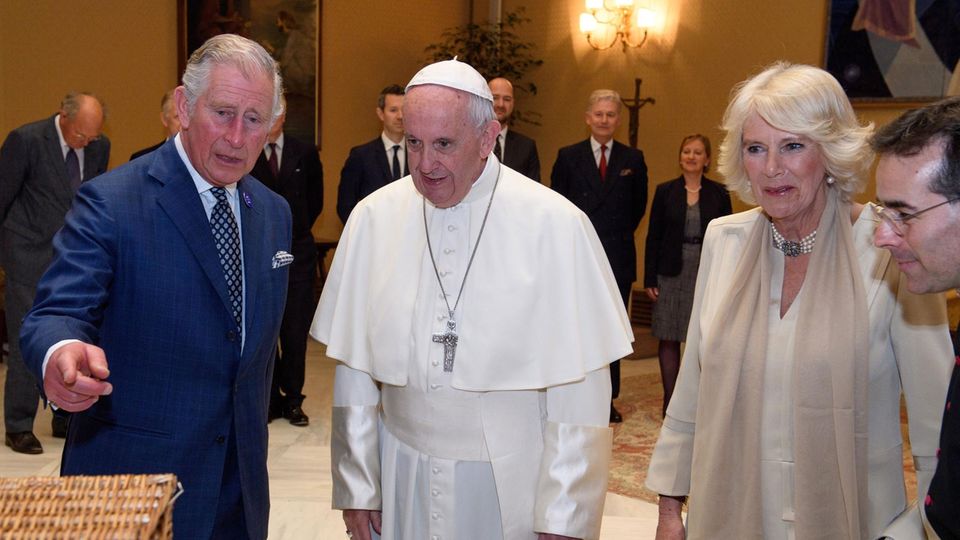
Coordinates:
[634,105]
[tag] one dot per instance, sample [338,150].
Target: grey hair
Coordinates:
[807,101]
[604,94]
[232,50]
[70,105]
[480,111]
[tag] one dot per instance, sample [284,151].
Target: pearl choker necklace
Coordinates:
[791,248]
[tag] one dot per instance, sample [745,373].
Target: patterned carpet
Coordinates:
[634,439]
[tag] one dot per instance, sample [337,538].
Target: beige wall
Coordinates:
[126,51]
[689,67]
[358,64]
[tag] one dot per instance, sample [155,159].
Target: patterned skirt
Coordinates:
[671,312]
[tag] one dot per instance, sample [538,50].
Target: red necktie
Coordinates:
[274,164]
[603,162]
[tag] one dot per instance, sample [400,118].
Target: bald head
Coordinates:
[502,91]
[169,116]
[81,119]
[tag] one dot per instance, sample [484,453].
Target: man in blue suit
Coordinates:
[159,315]
[608,181]
[375,164]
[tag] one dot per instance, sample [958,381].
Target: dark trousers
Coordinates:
[288,371]
[615,366]
[20,391]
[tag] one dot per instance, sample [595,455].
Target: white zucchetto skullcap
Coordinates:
[453,74]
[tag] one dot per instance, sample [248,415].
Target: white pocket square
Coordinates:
[282,258]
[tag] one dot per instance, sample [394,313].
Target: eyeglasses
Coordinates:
[898,220]
[86,138]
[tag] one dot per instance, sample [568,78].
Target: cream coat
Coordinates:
[910,352]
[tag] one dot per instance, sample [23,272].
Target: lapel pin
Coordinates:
[247,200]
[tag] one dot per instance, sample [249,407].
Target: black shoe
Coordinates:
[296,416]
[59,426]
[615,417]
[24,442]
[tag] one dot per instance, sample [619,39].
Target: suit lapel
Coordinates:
[54,155]
[91,157]
[261,170]
[618,157]
[252,226]
[288,162]
[509,152]
[382,163]
[182,204]
[588,166]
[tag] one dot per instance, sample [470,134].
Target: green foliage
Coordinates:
[495,50]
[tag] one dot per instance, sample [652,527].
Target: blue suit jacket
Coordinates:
[520,154]
[365,171]
[136,272]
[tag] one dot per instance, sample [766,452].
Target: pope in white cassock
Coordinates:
[473,313]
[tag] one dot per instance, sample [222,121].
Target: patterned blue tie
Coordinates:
[226,235]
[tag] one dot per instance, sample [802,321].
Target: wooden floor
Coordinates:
[299,463]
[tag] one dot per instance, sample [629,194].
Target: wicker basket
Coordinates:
[88,507]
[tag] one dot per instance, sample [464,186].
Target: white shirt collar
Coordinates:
[595,145]
[278,142]
[64,147]
[202,185]
[388,144]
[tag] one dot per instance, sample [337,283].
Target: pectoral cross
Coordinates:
[449,340]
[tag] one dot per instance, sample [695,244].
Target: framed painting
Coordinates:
[288,29]
[902,50]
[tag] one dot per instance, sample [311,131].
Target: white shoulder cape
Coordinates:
[545,307]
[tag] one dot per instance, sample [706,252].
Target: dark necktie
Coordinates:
[396,162]
[603,162]
[73,169]
[273,162]
[226,235]
[497,149]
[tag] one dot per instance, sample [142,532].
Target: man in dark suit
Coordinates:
[41,167]
[292,168]
[919,173]
[170,120]
[159,315]
[608,181]
[513,149]
[375,164]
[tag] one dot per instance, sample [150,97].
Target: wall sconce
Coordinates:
[622,19]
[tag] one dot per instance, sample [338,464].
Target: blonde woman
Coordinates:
[787,407]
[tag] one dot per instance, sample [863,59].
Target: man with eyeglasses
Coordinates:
[41,167]
[918,184]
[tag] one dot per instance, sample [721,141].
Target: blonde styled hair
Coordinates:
[806,101]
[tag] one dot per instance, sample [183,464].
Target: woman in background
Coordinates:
[681,210]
